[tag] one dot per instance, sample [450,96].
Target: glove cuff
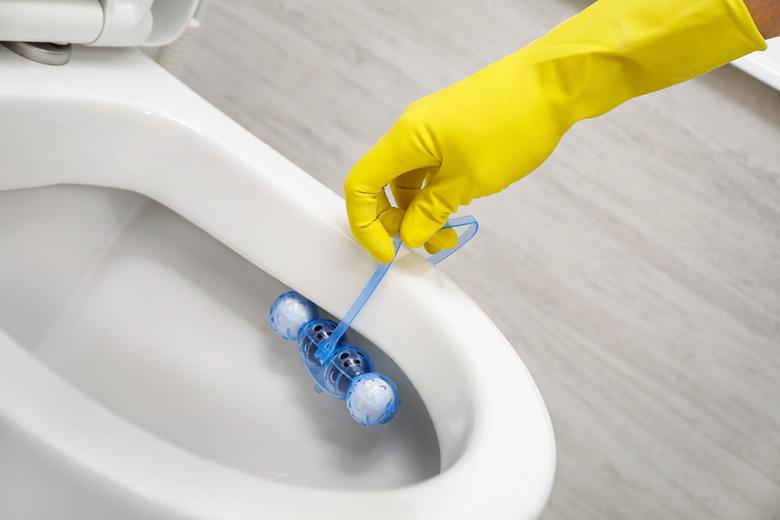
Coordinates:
[619,49]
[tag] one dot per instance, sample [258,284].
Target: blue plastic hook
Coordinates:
[325,352]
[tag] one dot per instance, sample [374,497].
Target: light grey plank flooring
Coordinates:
[637,272]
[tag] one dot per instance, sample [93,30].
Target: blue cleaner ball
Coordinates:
[289,312]
[372,399]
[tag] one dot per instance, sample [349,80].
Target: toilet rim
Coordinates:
[495,436]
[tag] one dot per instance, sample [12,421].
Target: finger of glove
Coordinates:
[425,216]
[391,219]
[443,239]
[406,186]
[432,249]
[373,235]
[397,152]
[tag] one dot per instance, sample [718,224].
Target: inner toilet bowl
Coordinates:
[143,235]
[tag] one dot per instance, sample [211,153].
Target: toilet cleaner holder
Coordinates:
[338,368]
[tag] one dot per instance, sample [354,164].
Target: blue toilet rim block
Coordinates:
[339,369]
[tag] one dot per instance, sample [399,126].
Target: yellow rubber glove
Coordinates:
[477,136]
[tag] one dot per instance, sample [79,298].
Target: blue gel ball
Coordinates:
[348,363]
[312,335]
[289,312]
[372,399]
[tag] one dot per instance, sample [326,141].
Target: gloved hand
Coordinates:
[477,136]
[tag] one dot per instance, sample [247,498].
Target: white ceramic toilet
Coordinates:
[143,235]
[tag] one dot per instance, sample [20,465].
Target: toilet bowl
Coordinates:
[143,235]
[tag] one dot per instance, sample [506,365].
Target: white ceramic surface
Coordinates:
[162,324]
[764,65]
[104,23]
[137,378]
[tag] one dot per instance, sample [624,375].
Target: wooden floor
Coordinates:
[637,273]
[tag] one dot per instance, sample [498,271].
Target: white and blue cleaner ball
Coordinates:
[289,312]
[372,399]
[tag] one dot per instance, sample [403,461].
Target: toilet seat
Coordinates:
[113,118]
